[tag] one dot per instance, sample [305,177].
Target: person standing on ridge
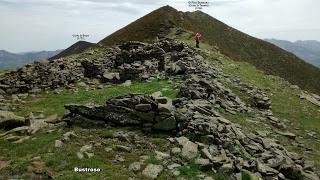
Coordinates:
[198,38]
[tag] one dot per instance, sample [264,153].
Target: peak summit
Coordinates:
[167,8]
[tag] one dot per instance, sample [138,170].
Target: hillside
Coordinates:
[155,110]
[13,60]
[76,48]
[231,42]
[160,109]
[306,50]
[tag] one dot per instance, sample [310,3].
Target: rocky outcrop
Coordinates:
[222,145]
[129,61]
[132,109]
[313,98]
[8,120]
[41,75]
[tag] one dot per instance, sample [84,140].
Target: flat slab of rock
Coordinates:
[287,134]
[313,98]
[143,107]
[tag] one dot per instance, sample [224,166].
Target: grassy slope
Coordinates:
[76,48]
[300,116]
[261,54]
[144,29]
[51,103]
[62,161]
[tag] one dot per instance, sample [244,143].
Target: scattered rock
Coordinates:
[135,166]
[189,150]
[68,135]
[86,148]
[123,148]
[127,83]
[22,139]
[80,155]
[89,155]
[204,164]
[152,171]
[287,134]
[161,156]
[108,149]
[118,158]
[176,173]
[58,144]
[173,166]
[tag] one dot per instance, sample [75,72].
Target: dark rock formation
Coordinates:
[133,109]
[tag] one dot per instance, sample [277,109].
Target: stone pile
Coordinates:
[129,61]
[41,75]
[229,148]
[222,145]
[201,86]
[257,97]
[133,109]
[20,129]
[236,159]
[260,101]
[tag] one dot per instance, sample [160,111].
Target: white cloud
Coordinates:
[49,24]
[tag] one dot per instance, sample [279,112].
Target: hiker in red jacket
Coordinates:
[198,38]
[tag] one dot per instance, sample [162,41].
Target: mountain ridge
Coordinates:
[12,60]
[75,48]
[308,50]
[231,42]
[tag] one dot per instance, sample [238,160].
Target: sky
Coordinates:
[34,25]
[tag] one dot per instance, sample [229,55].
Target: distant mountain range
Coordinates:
[307,50]
[12,60]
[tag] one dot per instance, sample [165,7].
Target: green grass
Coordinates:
[286,103]
[61,161]
[51,103]
[191,170]
[189,39]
